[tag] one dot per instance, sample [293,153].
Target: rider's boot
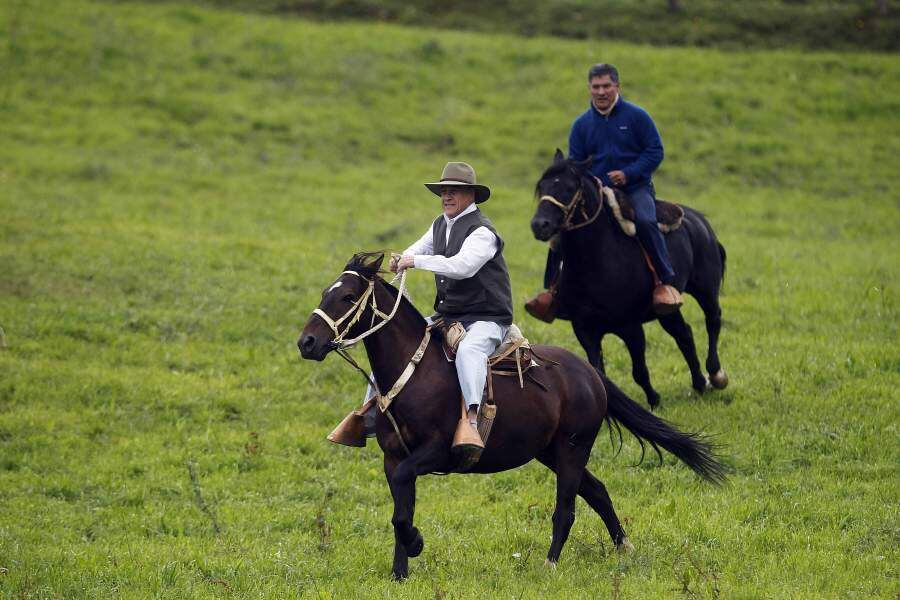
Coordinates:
[666,299]
[543,306]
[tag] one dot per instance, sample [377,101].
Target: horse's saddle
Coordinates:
[512,357]
[668,214]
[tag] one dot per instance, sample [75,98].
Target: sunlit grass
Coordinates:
[178,184]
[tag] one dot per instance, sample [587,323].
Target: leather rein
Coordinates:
[569,210]
[350,318]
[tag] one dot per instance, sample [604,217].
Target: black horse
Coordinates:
[555,421]
[605,284]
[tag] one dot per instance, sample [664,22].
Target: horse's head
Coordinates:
[560,190]
[341,312]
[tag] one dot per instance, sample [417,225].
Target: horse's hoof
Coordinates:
[550,564]
[414,548]
[399,576]
[701,387]
[624,547]
[653,401]
[719,380]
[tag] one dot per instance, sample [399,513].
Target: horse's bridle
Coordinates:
[340,345]
[568,210]
[352,316]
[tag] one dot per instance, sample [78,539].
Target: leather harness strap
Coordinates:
[384,402]
[656,279]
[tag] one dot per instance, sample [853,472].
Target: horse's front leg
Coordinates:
[401,476]
[590,336]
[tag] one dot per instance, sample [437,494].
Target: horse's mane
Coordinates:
[368,264]
[393,293]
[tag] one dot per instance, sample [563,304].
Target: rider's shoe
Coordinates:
[666,299]
[542,306]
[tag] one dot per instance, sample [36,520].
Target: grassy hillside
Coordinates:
[732,24]
[177,185]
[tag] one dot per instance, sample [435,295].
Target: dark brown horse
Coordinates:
[556,425]
[605,285]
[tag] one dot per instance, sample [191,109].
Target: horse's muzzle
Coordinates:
[310,348]
[542,228]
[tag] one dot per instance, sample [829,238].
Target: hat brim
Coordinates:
[482,192]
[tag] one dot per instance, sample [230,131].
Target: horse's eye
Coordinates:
[347,298]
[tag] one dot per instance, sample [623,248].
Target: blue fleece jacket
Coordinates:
[626,140]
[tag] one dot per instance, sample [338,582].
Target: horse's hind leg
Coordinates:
[709,303]
[677,327]
[633,336]
[594,493]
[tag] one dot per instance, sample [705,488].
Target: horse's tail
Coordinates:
[690,448]
[722,255]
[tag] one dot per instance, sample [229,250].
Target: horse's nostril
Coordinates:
[307,343]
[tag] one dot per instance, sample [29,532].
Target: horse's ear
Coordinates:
[586,163]
[558,157]
[373,261]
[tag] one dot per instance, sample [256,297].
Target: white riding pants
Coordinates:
[481,339]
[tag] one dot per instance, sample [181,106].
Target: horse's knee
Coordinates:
[403,475]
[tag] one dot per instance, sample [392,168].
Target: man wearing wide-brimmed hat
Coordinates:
[465,253]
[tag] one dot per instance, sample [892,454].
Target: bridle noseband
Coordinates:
[569,210]
[352,316]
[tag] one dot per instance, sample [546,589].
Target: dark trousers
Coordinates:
[643,199]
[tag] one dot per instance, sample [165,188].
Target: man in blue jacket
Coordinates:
[626,150]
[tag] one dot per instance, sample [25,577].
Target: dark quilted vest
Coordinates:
[487,295]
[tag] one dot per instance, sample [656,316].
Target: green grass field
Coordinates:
[732,24]
[177,185]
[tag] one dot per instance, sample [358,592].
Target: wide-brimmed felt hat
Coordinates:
[460,174]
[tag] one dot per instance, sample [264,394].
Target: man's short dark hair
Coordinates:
[601,69]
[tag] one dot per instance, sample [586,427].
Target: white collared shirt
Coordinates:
[478,248]
[606,112]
